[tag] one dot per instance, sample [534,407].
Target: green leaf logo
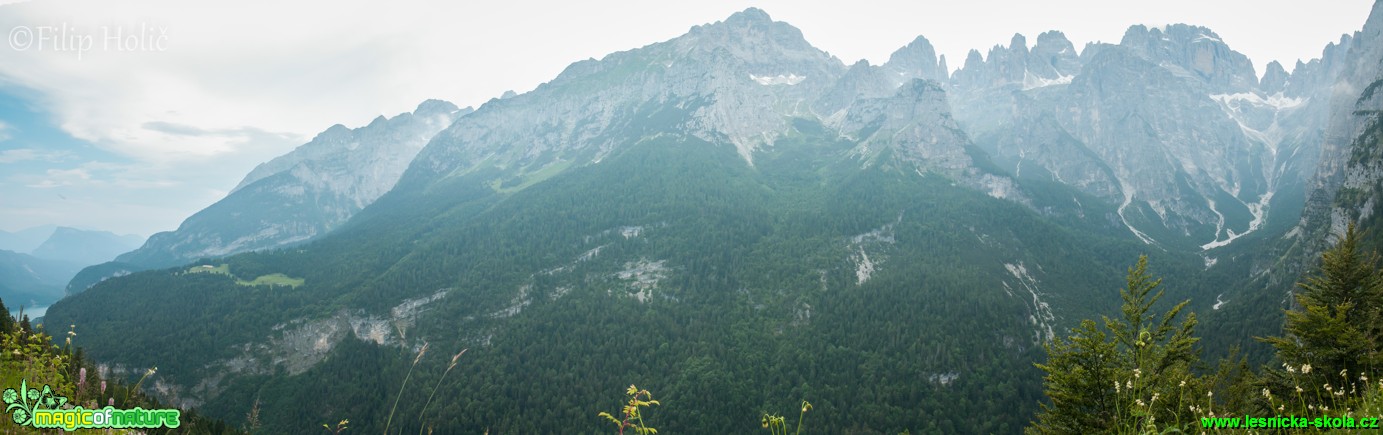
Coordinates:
[23,402]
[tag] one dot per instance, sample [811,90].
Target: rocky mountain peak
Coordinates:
[304,193]
[749,16]
[1193,52]
[1018,43]
[1274,79]
[917,60]
[434,107]
[747,34]
[915,122]
[1052,61]
[332,133]
[973,59]
[1054,56]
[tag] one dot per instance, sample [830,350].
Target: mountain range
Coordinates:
[737,220]
[37,263]
[293,198]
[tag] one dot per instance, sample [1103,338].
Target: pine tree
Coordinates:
[6,322]
[1335,326]
[1128,379]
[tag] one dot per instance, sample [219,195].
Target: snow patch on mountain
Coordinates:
[780,79]
[1277,101]
[1031,81]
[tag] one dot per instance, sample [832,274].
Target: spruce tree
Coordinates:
[1135,377]
[6,322]
[1335,325]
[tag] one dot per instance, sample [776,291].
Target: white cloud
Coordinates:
[61,178]
[5,131]
[31,154]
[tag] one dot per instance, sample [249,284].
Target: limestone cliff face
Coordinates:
[1346,183]
[1171,124]
[302,194]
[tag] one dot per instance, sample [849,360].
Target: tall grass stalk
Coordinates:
[402,387]
[454,359]
[147,374]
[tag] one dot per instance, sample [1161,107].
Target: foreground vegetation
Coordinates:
[1140,372]
[29,357]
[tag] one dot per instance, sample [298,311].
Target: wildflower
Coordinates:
[1267,393]
[1305,368]
[1298,389]
[1344,373]
[103,387]
[1116,386]
[1139,402]
[1280,408]
[1137,373]
[1290,369]
[1183,382]
[1363,378]
[81,377]
[1209,394]
[110,402]
[1128,385]
[1327,387]
[1155,396]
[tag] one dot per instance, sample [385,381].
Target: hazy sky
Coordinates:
[130,116]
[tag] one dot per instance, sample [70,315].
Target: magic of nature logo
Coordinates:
[44,409]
